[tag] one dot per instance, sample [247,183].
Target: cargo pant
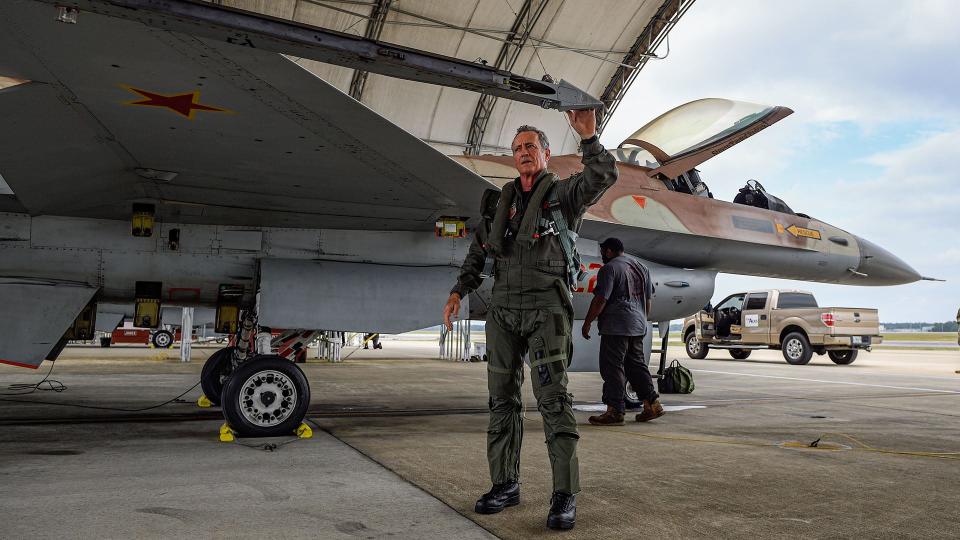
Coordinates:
[545,334]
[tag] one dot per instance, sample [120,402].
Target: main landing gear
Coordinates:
[261,395]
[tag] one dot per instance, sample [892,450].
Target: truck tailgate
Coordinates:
[854,322]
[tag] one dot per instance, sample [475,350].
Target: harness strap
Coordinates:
[568,238]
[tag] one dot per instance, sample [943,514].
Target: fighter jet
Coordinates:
[199,167]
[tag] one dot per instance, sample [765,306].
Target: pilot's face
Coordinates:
[529,156]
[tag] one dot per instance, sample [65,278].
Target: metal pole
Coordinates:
[186,331]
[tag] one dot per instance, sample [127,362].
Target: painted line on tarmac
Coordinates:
[828,382]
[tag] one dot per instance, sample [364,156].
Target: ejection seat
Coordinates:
[753,194]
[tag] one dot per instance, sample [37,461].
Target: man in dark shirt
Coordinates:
[622,301]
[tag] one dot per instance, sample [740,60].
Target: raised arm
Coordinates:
[599,166]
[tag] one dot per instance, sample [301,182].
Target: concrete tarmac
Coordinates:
[886,464]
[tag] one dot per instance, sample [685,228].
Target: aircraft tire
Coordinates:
[162,339]
[740,354]
[105,341]
[796,349]
[695,349]
[214,374]
[267,396]
[843,358]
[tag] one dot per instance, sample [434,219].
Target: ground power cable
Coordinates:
[57,386]
[22,389]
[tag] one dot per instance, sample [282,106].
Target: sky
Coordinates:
[874,142]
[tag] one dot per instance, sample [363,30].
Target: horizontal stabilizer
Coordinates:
[34,314]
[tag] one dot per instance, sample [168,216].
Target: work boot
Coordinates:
[498,498]
[563,511]
[612,417]
[650,411]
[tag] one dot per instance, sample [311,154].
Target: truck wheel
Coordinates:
[267,396]
[843,357]
[796,349]
[695,348]
[740,354]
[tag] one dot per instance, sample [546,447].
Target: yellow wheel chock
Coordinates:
[204,402]
[227,434]
[304,431]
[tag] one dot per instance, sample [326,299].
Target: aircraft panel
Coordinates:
[349,296]
[34,314]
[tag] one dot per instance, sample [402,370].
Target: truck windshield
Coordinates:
[796,300]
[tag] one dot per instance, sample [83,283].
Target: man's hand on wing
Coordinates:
[451,311]
[584,122]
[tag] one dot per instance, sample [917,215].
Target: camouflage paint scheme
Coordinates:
[688,231]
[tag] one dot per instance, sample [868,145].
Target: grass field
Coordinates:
[920,336]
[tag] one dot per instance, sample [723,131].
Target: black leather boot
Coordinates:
[563,511]
[498,498]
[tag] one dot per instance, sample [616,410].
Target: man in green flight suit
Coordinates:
[531,241]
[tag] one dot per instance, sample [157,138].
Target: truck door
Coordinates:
[726,317]
[756,321]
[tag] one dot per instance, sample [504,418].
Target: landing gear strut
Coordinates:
[261,395]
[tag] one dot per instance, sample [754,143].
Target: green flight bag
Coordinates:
[676,379]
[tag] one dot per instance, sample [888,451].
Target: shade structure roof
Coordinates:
[597,45]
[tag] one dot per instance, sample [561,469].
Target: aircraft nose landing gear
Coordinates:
[266,396]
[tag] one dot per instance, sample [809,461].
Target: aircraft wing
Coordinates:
[211,133]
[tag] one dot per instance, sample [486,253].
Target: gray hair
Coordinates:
[544,142]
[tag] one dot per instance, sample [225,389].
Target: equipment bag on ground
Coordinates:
[676,379]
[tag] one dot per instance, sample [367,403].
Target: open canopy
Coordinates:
[688,135]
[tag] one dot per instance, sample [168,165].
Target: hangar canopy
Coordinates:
[599,46]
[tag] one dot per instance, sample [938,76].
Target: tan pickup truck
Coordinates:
[788,320]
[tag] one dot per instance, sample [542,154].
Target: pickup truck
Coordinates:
[786,320]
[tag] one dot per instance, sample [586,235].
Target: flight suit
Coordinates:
[532,312]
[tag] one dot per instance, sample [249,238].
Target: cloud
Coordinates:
[872,146]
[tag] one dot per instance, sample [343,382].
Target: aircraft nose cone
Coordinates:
[882,267]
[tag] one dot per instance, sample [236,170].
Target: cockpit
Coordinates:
[671,146]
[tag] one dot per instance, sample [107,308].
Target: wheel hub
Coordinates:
[794,348]
[694,345]
[267,398]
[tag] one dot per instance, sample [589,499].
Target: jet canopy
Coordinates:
[688,135]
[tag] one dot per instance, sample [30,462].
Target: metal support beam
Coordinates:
[641,51]
[186,333]
[374,28]
[509,53]
[247,29]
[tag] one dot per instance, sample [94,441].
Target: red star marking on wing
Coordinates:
[641,201]
[182,104]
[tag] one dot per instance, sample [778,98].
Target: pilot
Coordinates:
[532,244]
